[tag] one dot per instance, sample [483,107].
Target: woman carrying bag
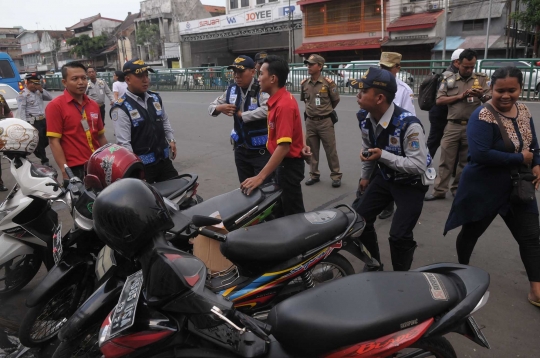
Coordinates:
[500,178]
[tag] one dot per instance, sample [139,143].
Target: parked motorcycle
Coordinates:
[281,262]
[167,309]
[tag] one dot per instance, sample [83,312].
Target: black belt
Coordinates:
[319,118]
[457,121]
[38,117]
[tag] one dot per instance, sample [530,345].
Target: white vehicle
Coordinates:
[356,69]
[298,74]
[531,77]
[27,221]
[11,97]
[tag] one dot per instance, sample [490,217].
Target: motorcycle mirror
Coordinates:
[92,182]
[202,221]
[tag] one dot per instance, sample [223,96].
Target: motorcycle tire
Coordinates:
[13,280]
[341,267]
[47,318]
[439,347]
[85,345]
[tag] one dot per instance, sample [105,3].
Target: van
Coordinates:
[8,73]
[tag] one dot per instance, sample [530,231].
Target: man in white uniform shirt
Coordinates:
[391,61]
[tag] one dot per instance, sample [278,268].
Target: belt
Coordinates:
[457,121]
[37,118]
[319,118]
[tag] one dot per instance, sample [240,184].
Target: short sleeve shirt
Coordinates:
[319,96]
[64,115]
[454,85]
[284,123]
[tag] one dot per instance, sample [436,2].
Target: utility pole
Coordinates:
[487,31]
[445,28]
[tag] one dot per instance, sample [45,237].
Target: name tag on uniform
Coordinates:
[470,99]
[157,106]
[317,101]
[254,101]
[100,91]
[134,114]
[85,125]
[233,98]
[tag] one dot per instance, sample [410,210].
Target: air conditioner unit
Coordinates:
[407,9]
[433,6]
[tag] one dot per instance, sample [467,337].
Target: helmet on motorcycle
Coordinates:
[17,136]
[110,163]
[128,214]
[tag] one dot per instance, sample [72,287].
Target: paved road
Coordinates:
[510,323]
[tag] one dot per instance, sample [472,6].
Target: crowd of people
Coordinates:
[487,140]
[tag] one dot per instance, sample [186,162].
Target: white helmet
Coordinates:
[17,136]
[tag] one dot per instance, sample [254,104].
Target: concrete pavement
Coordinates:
[510,323]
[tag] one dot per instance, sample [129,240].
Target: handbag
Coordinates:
[522,177]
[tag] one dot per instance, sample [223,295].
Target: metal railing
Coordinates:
[413,73]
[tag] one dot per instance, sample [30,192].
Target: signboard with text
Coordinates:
[249,17]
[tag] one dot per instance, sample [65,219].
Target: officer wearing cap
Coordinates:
[32,109]
[244,101]
[391,61]
[395,141]
[259,59]
[463,92]
[321,96]
[97,90]
[142,125]
[5,112]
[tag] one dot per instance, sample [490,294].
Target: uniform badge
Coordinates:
[120,100]
[254,101]
[157,106]
[134,114]
[94,115]
[114,115]
[394,141]
[414,144]
[324,90]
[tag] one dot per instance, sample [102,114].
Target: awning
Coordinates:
[407,42]
[342,45]
[452,43]
[425,20]
[476,11]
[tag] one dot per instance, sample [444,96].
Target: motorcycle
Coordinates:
[273,261]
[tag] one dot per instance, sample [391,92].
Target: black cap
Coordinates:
[136,66]
[242,63]
[376,78]
[260,56]
[34,78]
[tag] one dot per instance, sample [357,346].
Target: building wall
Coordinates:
[496,28]
[103,25]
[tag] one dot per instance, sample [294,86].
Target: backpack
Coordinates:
[427,94]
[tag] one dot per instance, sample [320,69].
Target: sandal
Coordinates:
[535,303]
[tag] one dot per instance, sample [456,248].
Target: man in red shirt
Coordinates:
[285,138]
[74,124]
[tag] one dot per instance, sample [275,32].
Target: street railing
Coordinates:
[216,79]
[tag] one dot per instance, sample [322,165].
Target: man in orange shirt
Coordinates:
[74,124]
[285,138]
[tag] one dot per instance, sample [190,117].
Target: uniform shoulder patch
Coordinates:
[482,74]
[329,80]
[119,101]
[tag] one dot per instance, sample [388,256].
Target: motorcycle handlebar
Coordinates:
[212,234]
[69,172]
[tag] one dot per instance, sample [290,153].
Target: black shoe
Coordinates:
[386,214]
[432,197]
[401,259]
[336,183]
[312,181]
[3,188]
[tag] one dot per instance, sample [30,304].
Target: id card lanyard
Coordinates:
[86,127]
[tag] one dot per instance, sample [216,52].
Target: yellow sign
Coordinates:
[175,64]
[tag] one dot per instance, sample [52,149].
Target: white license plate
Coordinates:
[57,244]
[124,313]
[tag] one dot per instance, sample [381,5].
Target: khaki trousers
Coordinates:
[322,131]
[454,138]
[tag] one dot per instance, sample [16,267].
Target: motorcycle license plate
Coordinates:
[57,244]
[480,338]
[124,313]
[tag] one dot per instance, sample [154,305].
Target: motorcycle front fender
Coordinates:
[94,309]
[56,278]
[11,248]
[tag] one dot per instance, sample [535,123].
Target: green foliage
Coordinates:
[147,33]
[87,46]
[529,17]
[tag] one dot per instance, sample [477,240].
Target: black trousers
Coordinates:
[102,111]
[409,199]
[289,176]
[160,171]
[40,152]
[438,120]
[525,228]
[250,162]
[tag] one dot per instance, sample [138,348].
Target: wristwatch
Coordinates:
[171,141]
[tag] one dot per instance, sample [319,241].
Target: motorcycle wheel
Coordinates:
[331,268]
[83,346]
[438,347]
[42,322]
[18,272]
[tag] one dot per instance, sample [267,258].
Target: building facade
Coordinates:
[10,44]
[94,26]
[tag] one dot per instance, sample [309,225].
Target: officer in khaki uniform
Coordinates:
[463,92]
[32,109]
[321,96]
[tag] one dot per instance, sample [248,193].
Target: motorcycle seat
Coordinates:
[359,308]
[284,238]
[231,206]
[169,187]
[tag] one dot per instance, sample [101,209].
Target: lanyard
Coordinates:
[86,127]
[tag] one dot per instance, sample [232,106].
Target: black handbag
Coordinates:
[522,177]
[334,117]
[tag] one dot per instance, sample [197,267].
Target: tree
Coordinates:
[529,18]
[86,46]
[148,35]
[56,44]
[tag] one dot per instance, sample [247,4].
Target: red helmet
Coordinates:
[110,163]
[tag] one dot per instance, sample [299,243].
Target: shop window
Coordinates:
[471,25]
[342,17]
[259,2]
[234,4]
[245,3]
